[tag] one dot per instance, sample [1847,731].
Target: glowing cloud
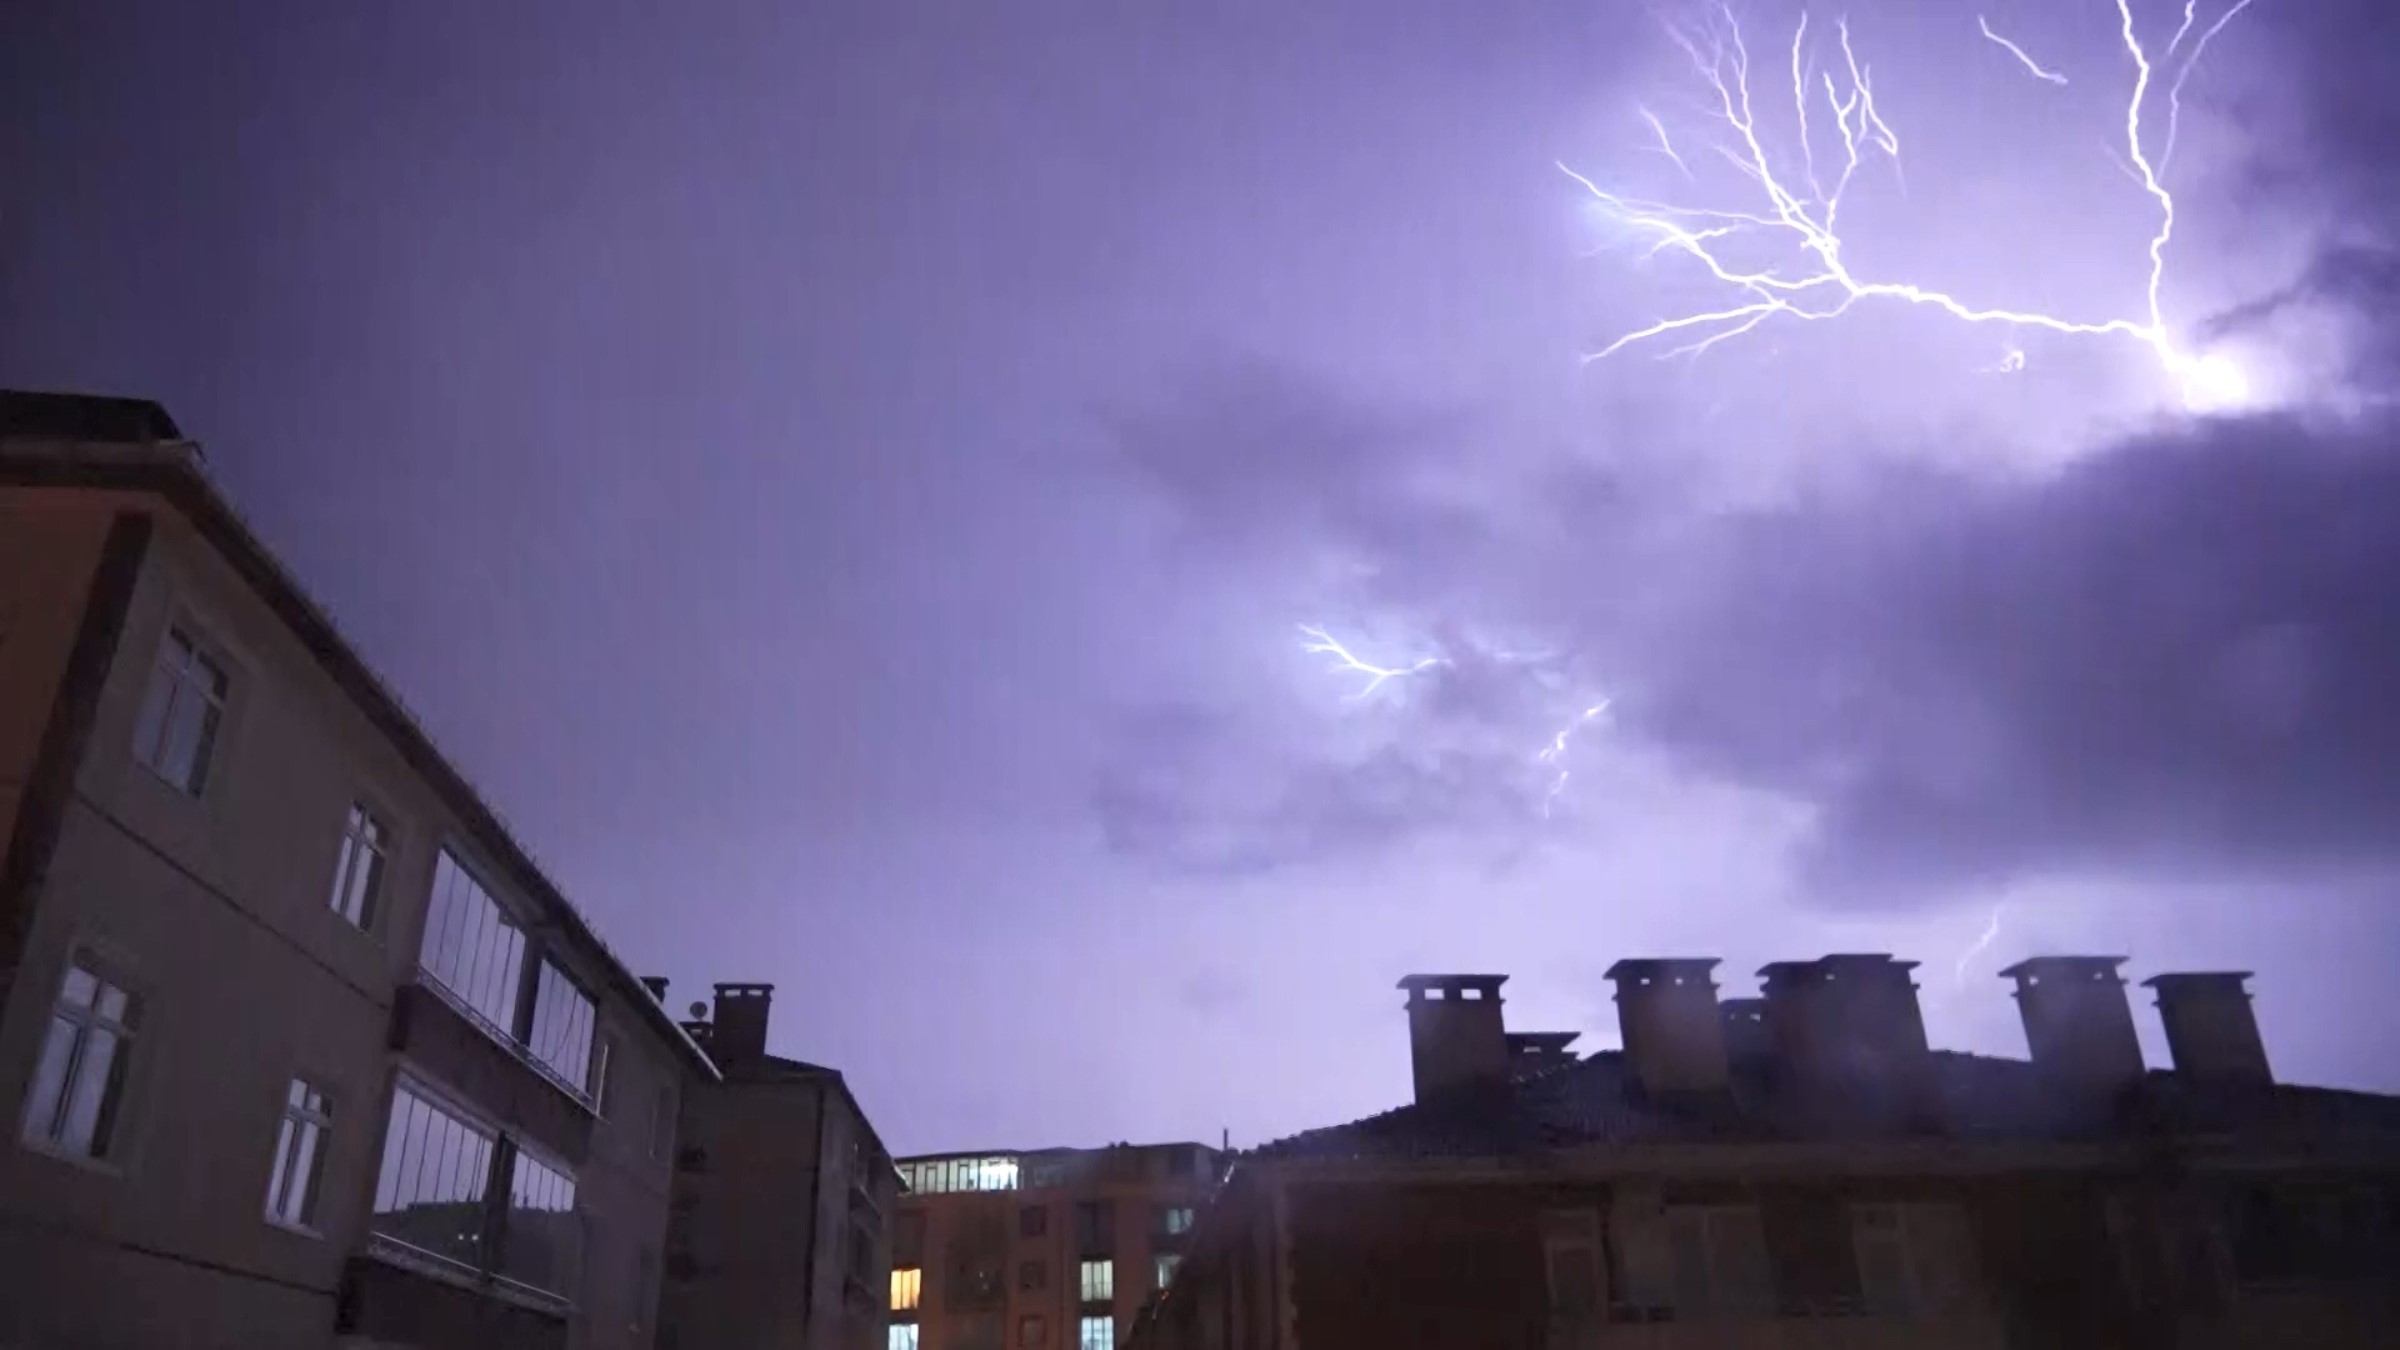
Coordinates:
[1803,214]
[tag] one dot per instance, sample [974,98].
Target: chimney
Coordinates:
[741,1023]
[2211,1031]
[1746,1036]
[1667,1013]
[657,985]
[2078,1023]
[1845,1030]
[1532,1052]
[1455,1036]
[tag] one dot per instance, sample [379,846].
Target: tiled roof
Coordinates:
[1974,1097]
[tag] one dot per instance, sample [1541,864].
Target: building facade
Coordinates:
[297,1046]
[783,1200]
[1055,1249]
[1800,1171]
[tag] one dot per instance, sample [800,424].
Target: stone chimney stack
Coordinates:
[1455,1036]
[740,1034]
[2078,1022]
[2211,1031]
[657,985]
[1848,1034]
[1667,1014]
[1746,1034]
[1531,1052]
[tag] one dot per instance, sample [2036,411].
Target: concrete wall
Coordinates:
[216,908]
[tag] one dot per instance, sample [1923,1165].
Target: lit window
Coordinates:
[1167,1261]
[358,876]
[1098,1333]
[1099,1281]
[902,1336]
[299,1156]
[79,1082]
[1030,1332]
[177,731]
[907,1287]
[1179,1219]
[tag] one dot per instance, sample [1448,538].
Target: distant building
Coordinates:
[1800,1171]
[783,1201]
[1053,1249]
[298,1047]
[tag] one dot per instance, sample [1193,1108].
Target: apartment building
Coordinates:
[1799,1171]
[298,1047]
[1054,1249]
[782,1202]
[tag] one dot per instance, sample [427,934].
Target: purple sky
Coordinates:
[848,481]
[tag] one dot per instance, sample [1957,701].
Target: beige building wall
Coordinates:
[216,910]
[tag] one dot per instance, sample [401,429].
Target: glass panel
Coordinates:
[1099,1281]
[150,727]
[438,1168]
[471,948]
[48,1091]
[79,987]
[191,732]
[1098,1333]
[543,1241]
[95,1077]
[562,1025]
[283,1164]
[903,1336]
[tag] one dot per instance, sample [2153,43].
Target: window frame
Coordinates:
[1106,1267]
[293,1121]
[112,1125]
[1105,1324]
[535,956]
[1032,1330]
[181,630]
[385,849]
[505,1149]
[908,1294]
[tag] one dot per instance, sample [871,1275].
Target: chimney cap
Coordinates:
[1742,1007]
[2185,983]
[744,990]
[1548,1041]
[2035,969]
[1451,984]
[1643,969]
[1834,965]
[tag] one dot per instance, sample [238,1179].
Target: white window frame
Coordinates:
[85,1020]
[1098,1332]
[1105,1267]
[180,651]
[303,1139]
[908,1293]
[367,836]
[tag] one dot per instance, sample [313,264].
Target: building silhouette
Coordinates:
[1801,1170]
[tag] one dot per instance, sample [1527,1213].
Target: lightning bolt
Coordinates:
[1321,643]
[1556,751]
[2032,66]
[1805,218]
[1991,931]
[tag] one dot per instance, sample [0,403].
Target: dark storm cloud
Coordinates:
[2177,656]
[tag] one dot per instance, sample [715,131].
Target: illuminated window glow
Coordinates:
[939,1176]
[908,1286]
[1099,1281]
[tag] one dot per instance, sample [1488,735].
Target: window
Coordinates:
[1571,1263]
[1176,1219]
[472,947]
[299,1156]
[1031,1331]
[1095,1227]
[1097,1333]
[902,1336]
[1720,1260]
[358,874]
[1033,1221]
[1099,1281]
[177,730]
[908,1286]
[436,1171]
[78,1087]
[541,1241]
[604,1049]
[1167,1261]
[937,1176]
[1913,1260]
[561,1035]
[908,1239]
[1032,1275]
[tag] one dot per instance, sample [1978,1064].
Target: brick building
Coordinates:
[1801,1170]
[1054,1249]
[298,1047]
[783,1198]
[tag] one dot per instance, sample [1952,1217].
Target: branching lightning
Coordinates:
[1803,215]
[1321,643]
[1991,933]
[2032,67]
[1556,751]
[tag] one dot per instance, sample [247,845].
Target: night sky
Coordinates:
[848,480]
